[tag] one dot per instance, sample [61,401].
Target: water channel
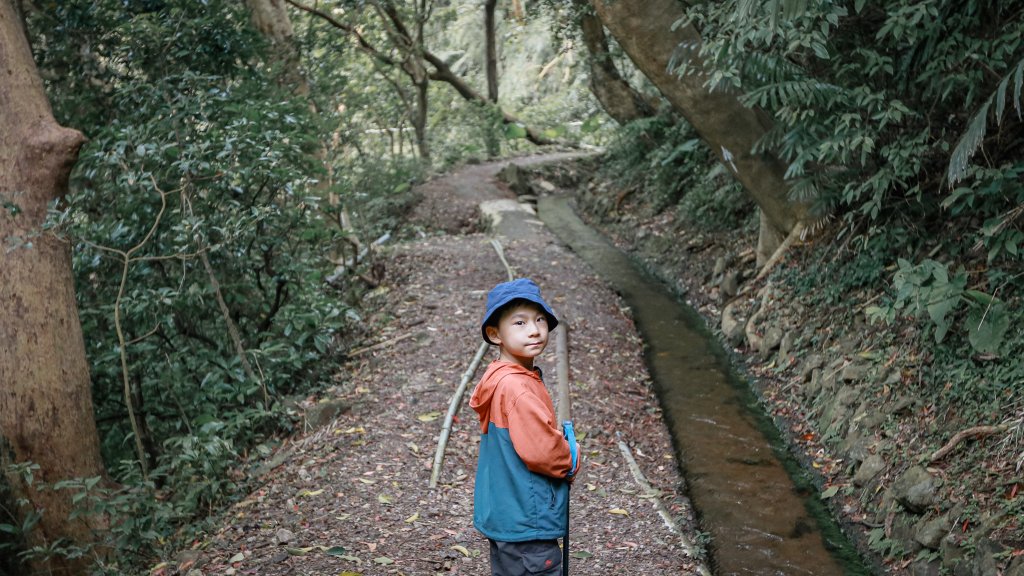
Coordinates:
[761,511]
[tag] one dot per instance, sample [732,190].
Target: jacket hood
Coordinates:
[484,391]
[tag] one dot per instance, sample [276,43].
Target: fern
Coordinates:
[787,9]
[971,140]
[807,92]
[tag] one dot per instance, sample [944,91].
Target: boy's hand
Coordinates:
[574,448]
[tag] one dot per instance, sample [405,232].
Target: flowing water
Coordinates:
[762,513]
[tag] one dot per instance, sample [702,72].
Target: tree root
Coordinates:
[795,233]
[972,432]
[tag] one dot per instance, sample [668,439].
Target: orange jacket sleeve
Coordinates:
[536,438]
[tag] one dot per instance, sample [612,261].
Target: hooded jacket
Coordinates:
[521,489]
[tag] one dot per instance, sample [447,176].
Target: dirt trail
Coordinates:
[353,497]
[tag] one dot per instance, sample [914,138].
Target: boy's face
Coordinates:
[522,333]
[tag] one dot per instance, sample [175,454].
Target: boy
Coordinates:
[522,493]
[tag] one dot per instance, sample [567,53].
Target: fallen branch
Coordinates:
[453,409]
[972,432]
[380,345]
[689,548]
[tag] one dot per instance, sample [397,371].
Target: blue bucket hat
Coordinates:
[520,289]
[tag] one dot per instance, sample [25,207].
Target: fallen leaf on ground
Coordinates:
[618,511]
[461,549]
[830,492]
[428,417]
[384,560]
[412,518]
[581,554]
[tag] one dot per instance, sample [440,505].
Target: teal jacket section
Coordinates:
[511,503]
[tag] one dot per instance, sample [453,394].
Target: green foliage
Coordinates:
[196,155]
[868,99]
[976,129]
[930,289]
[876,109]
[828,275]
[662,157]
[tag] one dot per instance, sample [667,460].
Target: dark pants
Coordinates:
[542,557]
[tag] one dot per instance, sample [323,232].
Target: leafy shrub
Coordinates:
[929,288]
[662,157]
[202,234]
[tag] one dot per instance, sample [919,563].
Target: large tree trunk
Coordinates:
[644,30]
[620,100]
[46,412]
[270,17]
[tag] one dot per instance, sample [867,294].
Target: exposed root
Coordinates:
[973,432]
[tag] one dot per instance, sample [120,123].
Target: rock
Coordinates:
[812,363]
[813,386]
[732,327]
[324,412]
[869,468]
[854,372]
[1016,567]
[925,568]
[931,532]
[916,489]
[720,265]
[730,285]
[856,446]
[786,347]
[515,177]
[772,339]
[985,563]
[284,536]
[903,532]
[951,552]
[754,338]
[871,418]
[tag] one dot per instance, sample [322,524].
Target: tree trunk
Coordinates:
[644,30]
[46,411]
[492,51]
[491,59]
[271,18]
[623,103]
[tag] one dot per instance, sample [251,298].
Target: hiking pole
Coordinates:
[565,417]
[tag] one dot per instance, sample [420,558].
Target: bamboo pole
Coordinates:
[460,392]
[453,408]
[562,372]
